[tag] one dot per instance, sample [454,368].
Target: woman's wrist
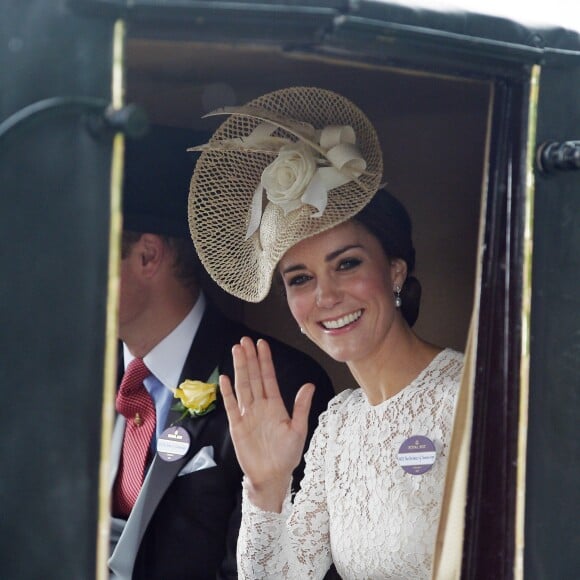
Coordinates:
[268,496]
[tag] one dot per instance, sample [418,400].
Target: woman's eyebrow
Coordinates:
[336,253]
[293,268]
[327,258]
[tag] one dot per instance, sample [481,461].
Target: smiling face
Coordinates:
[339,287]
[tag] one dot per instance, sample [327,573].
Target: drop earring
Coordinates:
[398,301]
[302,330]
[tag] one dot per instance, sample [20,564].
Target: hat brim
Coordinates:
[225,179]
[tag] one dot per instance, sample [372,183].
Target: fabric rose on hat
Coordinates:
[304,171]
[288,176]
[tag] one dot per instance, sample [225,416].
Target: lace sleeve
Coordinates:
[295,544]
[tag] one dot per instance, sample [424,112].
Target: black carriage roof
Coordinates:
[509,20]
[551,28]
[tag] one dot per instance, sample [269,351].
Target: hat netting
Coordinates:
[224,182]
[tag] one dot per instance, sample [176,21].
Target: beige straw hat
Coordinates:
[286,166]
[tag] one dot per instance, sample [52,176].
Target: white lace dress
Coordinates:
[357,507]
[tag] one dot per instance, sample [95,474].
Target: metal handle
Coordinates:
[131,120]
[554,156]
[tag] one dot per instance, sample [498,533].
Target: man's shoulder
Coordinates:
[278,346]
[283,350]
[238,330]
[289,361]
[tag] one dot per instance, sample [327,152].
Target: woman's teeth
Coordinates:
[342,321]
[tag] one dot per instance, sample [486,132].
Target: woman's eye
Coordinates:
[298,280]
[348,263]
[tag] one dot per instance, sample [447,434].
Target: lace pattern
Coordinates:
[357,507]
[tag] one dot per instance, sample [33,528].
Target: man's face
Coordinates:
[134,293]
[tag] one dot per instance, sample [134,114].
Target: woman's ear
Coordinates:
[398,272]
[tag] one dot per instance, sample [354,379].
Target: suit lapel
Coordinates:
[211,346]
[116,448]
[119,427]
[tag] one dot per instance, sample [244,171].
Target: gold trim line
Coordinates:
[525,319]
[113,289]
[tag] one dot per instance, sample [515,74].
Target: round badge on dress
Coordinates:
[173,443]
[417,454]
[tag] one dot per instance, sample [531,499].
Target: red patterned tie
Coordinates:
[135,403]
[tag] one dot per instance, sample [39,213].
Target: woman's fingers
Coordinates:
[255,377]
[230,402]
[267,370]
[302,404]
[241,378]
[268,443]
[253,368]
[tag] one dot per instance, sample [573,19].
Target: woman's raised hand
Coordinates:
[268,442]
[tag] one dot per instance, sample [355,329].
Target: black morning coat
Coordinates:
[189,524]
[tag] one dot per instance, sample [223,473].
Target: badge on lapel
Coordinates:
[173,444]
[196,399]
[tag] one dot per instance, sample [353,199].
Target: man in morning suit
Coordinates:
[184,521]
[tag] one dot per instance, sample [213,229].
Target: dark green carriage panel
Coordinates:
[54,219]
[552,548]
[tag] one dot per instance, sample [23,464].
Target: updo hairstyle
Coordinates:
[387,219]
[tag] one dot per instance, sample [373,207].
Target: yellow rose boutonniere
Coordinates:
[197,398]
